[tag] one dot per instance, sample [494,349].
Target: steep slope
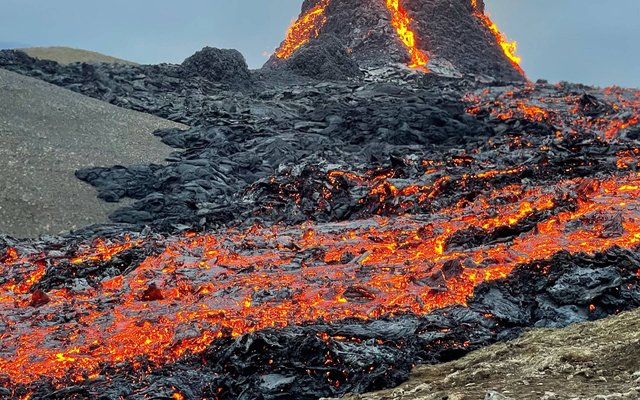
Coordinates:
[444,36]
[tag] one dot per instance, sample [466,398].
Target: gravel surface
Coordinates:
[47,133]
[594,360]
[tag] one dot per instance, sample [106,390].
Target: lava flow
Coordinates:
[310,23]
[510,48]
[204,287]
[303,30]
[401,22]
[603,114]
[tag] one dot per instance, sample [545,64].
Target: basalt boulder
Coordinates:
[218,65]
[324,59]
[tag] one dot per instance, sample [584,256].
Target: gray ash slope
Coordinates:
[43,146]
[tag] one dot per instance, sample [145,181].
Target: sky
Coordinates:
[588,41]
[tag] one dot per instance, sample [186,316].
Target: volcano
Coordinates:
[451,37]
[314,237]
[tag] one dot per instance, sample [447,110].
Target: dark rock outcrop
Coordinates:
[325,59]
[452,32]
[165,90]
[218,65]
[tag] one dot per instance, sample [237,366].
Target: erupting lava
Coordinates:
[303,30]
[308,26]
[510,48]
[401,21]
[210,286]
[415,219]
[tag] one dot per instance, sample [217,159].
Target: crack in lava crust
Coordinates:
[203,287]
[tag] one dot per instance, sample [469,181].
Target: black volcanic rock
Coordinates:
[169,91]
[325,59]
[450,31]
[9,58]
[365,28]
[218,65]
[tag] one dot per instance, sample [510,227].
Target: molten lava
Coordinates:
[303,30]
[565,112]
[205,287]
[401,22]
[510,48]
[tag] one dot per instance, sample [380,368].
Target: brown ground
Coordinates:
[598,360]
[67,55]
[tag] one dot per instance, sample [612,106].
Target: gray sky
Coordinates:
[588,41]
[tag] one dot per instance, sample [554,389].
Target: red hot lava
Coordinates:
[203,287]
[303,30]
[571,113]
[401,22]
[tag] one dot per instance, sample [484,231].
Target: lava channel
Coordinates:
[401,22]
[510,48]
[303,30]
[209,286]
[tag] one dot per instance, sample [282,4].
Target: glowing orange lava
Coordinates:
[401,22]
[303,30]
[205,287]
[510,48]
[562,110]
[101,251]
[530,112]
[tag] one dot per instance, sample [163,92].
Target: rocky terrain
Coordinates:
[423,152]
[591,361]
